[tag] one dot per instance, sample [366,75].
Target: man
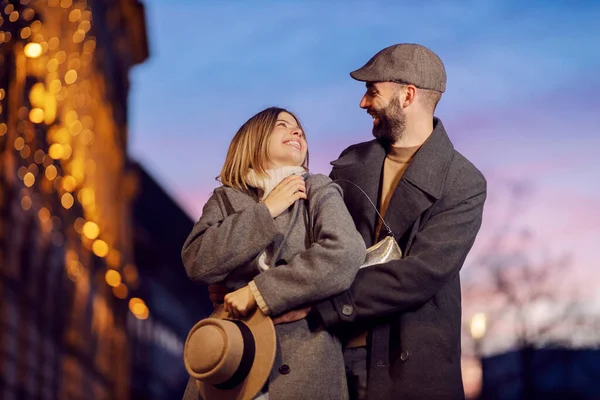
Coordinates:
[402,319]
[432,198]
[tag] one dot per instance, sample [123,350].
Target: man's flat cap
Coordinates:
[405,63]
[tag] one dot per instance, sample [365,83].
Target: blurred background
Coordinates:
[115,117]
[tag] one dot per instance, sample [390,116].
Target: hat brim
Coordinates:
[263,330]
[361,75]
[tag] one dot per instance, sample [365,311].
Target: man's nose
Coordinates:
[364,102]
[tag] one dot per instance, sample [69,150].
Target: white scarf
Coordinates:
[267,184]
[272,179]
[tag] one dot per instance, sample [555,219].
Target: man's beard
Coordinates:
[392,123]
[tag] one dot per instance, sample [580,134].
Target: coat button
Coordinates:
[284,369]
[347,310]
[404,355]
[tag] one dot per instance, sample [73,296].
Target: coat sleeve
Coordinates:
[218,244]
[327,267]
[436,255]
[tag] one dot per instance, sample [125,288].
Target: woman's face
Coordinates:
[287,144]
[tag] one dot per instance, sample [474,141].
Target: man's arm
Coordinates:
[437,254]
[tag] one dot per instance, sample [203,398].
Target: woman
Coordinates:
[280,238]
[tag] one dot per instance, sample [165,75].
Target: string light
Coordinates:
[62,100]
[33,50]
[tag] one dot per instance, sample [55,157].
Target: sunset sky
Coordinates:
[521,103]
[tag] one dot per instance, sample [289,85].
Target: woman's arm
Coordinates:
[218,244]
[326,268]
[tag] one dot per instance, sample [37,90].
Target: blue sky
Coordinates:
[521,101]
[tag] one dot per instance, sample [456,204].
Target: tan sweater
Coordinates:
[396,162]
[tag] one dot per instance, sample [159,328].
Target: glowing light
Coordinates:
[138,308]
[121,291]
[78,36]
[113,258]
[76,128]
[55,151]
[36,115]
[44,214]
[100,248]
[52,65]
[75,63]
[55,86]
[131,275]
[33,50]
[19,143]
[25,32]
[70,76]
[26,203]
[39,156]
[37,95]
[67,200]
[74,270]
[69,183]
[28,14]
[78,225]
[66,3]
[87,137]
[86,196]
[74,15]
[53,43]
[85,26]
[113,278]
[33,169]
[478,325]
[35,26]
[66,151]
[25,151]
[61,56]
[89,46]
[21,172]
[3,129]
[13,16]
[51,172]
[29,179]
[91,230]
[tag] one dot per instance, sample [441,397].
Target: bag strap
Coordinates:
[387,227]
[309,224]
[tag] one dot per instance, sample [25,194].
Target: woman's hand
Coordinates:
[240,303]
[285,194]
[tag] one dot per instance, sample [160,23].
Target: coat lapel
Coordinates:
[363,168]
[422,183]
[420,186]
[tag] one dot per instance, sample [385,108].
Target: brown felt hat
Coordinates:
[405,63]
[230,358]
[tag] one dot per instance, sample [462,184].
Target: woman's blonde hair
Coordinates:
[249,149]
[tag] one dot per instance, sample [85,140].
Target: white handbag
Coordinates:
[386,249]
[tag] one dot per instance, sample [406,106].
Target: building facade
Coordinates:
[69,282]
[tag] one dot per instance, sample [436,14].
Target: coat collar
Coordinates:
[421,185]
[238,200]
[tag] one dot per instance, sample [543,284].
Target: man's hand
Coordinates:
[292,316]
[216,294]
[240,303]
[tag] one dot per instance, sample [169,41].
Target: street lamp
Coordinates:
[478,327]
